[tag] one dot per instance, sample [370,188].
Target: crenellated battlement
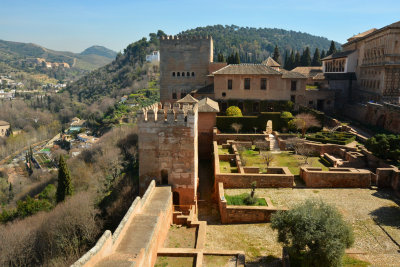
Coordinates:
[167,113]
[184,37]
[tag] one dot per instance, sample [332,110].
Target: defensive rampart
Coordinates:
[140,234]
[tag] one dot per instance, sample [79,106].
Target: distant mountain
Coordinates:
[100,51]
[22,57]
[253,45]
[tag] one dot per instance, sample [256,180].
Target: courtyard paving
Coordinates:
[374,215]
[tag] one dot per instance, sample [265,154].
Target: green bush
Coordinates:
[234,111]
[315,233]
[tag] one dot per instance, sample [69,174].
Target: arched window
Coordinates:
[178,74]
[173,74]
[188,74]
[192,74]
[183,74]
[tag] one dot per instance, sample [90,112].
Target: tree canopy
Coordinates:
[315,233]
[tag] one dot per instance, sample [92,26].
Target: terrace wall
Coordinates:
[243,214]
[336,177]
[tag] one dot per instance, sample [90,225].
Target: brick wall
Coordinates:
[336,177]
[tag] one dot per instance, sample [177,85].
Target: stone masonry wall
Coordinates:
[168,147]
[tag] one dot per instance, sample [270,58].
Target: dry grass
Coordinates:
[362,208]
[180,237]
[174,262]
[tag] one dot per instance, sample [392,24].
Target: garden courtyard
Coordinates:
[253,158]
[373,214]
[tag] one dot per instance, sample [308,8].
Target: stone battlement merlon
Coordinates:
[168,114]
[184,37]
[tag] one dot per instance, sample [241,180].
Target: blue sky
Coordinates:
[73,25]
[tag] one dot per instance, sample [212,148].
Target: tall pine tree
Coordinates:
[323,54]
[316,58]
[332,49]
[306,57]
[297,60]
[64,187]
[276,55]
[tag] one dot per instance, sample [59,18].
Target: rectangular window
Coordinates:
[293,86]
[174,96]
[263,85]
[229,84]
[293,98]
[183,95]
[247,83]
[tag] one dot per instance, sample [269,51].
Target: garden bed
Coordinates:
[339,138]
[164,261]
[240,200]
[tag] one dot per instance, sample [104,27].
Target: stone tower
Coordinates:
[184,64]
[168,140]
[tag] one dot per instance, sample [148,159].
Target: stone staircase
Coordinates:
[273,144]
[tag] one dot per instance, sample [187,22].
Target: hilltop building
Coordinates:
[154,57]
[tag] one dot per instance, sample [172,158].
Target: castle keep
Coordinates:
[184,64]
[168,149]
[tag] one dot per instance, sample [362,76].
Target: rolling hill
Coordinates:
[18,57]
[100,51]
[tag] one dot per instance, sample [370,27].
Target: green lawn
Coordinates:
[225,167]
[223,151]
[239,200]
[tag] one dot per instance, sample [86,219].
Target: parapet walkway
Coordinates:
[140,232]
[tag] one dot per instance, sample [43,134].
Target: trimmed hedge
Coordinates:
[339,138]
[248,122]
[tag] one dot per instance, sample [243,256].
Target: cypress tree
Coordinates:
[286,60]
[323,54]
[297,60]
[316,58]
[276,55]
[306,57]
[64,187]
[291,61]
[237,58]
[332,49]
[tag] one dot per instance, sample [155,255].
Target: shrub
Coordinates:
[315,232]
[234,111]
[385,146]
